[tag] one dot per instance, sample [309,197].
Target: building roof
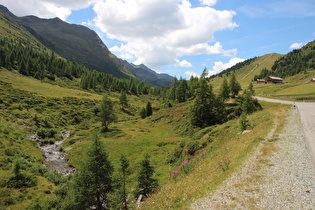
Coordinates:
[275,78]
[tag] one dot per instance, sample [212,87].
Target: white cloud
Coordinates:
[191,73]
[158,32]
[183,63]
[220,66]
[208,2]
[296,45]
[45,8]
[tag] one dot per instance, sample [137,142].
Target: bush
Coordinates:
[55,177]
[192,147]
[46,133]
[174,155]
[39,169]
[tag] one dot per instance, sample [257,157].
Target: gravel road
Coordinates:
[307,113]
[283,180]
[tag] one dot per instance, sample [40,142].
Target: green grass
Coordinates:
[41,88]
[28,104]
[227,149]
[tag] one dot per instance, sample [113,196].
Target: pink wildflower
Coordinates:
[184,163]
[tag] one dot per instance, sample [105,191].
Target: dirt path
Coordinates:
[282,180]
[307,113]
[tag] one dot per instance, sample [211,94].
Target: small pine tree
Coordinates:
[93,182]
[107,115]
[143,113]
[235,86]
[248,104]
[225,90]
[148,109]
[251,88]
[244,123]
[124,173]
[123,100]
[146,184]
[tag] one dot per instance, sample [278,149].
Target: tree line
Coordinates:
[42,64]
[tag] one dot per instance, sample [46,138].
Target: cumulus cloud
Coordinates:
[158,32]
[45,8]
[220,66]
[296,45]
[183,63]
[191,73]
[208,2]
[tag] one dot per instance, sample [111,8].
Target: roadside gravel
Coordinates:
[283,180]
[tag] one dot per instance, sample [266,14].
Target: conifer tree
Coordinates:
[202,110]
[93,181]
[143,113]
[123,180]
[107,115]
[149,110]
[251,88]
[146,184]
[123,99]
[235,86]
[182,90]
[225,90]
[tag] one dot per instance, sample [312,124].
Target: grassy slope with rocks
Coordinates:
[219,149]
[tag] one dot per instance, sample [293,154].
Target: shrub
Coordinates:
[55,177]
[192,147]
[46,133]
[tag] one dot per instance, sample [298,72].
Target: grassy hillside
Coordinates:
[293,85]
[246,73]
[212,153]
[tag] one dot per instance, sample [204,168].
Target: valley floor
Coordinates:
[279,175]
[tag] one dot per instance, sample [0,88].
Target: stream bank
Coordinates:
[54,158]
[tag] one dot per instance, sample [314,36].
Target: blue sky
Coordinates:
[182,37]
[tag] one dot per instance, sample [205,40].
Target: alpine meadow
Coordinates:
[88,131]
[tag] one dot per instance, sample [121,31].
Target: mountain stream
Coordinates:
[54,158]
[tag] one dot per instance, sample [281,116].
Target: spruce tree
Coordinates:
[251,88]
[123,100]
[235,86]
[225,90]
[146,184]
[93,181]
[123,180]
[149,110]
[202,111]
[107,115]
[182,90]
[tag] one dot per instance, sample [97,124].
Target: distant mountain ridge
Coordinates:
[82,45]
[149,76]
